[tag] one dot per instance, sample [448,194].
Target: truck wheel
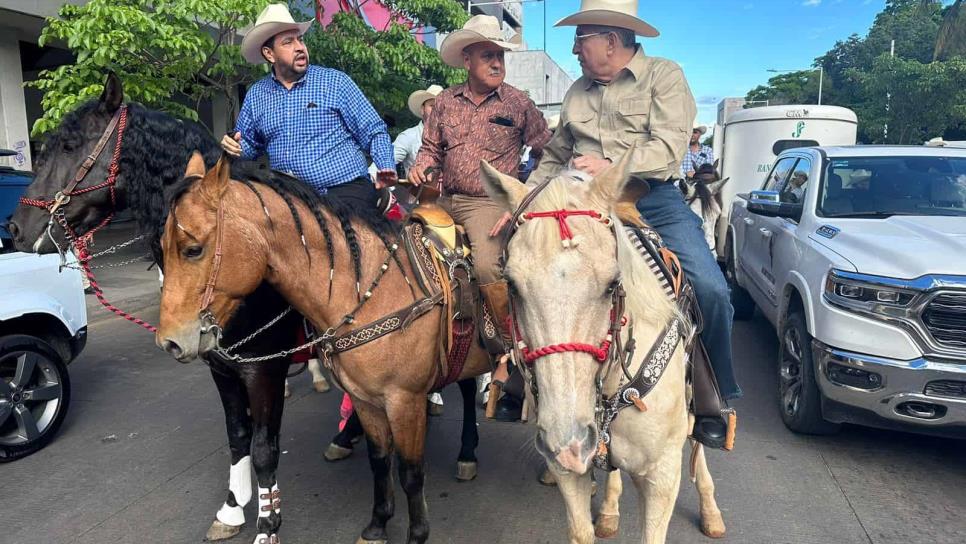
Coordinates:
[798,395]
[742,302]
[34,395]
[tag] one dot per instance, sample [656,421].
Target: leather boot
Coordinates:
[712,418]
[497,297]
[507,407]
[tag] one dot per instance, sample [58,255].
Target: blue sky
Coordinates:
[724,46]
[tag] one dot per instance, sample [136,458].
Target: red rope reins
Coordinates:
[561,217]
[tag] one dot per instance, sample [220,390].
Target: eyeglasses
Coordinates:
[581,37]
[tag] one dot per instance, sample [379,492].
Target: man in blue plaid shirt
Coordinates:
[313,122]
[697,154]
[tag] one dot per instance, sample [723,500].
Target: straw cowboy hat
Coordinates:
[418,98]
[275,18]
[480,28]
[617,13]
[553,122]
[701,129]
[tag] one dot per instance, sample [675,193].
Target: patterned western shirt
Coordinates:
[458,134]
[694,159]
[319,130]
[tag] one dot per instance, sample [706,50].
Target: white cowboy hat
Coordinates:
[418,98]
[553,122]
[701,129]
[480,28]
[617,13]
[275,18]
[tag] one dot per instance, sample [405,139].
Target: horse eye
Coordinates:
[612,287]
[193,252]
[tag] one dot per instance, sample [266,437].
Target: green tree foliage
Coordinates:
[915,96]
[169,54]
[389,63]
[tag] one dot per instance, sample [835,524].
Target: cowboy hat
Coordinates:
[616,13]
[480,28]
[275,18]
[418,98]
[700,129]
[553,122]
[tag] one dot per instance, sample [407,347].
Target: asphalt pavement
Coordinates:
[142,458]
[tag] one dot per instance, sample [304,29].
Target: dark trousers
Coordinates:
[359,193]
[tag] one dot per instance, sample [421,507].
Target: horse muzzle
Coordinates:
[575,454]
[187,344]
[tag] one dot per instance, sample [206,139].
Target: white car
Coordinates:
[43,326]
[857,255]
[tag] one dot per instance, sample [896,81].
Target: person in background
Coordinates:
[697,153]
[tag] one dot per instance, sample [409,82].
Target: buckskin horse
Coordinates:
[147,163]
[582,296]
[383,325]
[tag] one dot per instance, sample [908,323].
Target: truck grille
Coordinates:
[945,319]
[946,388]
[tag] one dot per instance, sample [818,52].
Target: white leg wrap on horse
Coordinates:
[240,485]
[268,501]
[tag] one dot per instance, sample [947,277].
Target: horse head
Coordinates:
[211,261]
[61,158]
[562,270]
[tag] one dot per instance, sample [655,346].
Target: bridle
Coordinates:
[610,348]
[55,206]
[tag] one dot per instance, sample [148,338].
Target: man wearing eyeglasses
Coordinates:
[626,97]
[313,122]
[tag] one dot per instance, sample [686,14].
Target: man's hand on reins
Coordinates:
[591,165]
[232,144]
[386,178]
[500,224]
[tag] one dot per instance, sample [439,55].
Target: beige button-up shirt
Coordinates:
[649,101]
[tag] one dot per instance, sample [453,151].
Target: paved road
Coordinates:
[142,458]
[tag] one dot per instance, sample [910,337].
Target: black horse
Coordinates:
[153,156]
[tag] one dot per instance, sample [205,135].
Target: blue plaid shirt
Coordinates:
[694,159]
[319,130]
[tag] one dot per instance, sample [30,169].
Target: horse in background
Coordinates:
[703,194]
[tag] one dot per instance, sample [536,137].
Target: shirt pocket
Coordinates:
[501,139]
[451,132]
[634,116]
[584,127]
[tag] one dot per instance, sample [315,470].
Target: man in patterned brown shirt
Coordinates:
[482,119]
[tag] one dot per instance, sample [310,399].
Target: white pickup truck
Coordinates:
[857,256]
[43,326]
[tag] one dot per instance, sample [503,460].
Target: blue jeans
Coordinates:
[665,210]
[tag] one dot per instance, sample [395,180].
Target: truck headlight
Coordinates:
[867,296]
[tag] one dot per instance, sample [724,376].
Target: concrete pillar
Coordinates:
[14,132]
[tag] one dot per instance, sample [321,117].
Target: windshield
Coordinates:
[886,186]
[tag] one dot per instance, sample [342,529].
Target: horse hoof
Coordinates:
[547,478]
[221,531]
[606,526]
[263,538]
[321,386]
[465,470]
[714,527]
[364,541]
[336,452]
[435,409]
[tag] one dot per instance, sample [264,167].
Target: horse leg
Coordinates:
[266,390]
[575,489]
[658,490]
[608,519]
[379,442]
[466,462]
[712,524]
[319,382]
[342,443]
[234,399]
[407,419]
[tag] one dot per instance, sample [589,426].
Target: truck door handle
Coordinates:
[765,232]
[748,221]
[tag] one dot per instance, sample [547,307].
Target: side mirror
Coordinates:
[769,204]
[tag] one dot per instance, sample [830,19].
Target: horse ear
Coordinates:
[609,184]
[507,191]
[715,186]
[196,166]
[113,93]
[215,182]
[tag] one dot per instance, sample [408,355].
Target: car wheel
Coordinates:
[34,395]
[742,302]
[800,400]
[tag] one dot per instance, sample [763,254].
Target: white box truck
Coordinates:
[750,140]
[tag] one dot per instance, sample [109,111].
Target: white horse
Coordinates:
[703,195]
[562,294]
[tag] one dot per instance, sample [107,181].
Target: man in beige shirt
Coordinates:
[625,97]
